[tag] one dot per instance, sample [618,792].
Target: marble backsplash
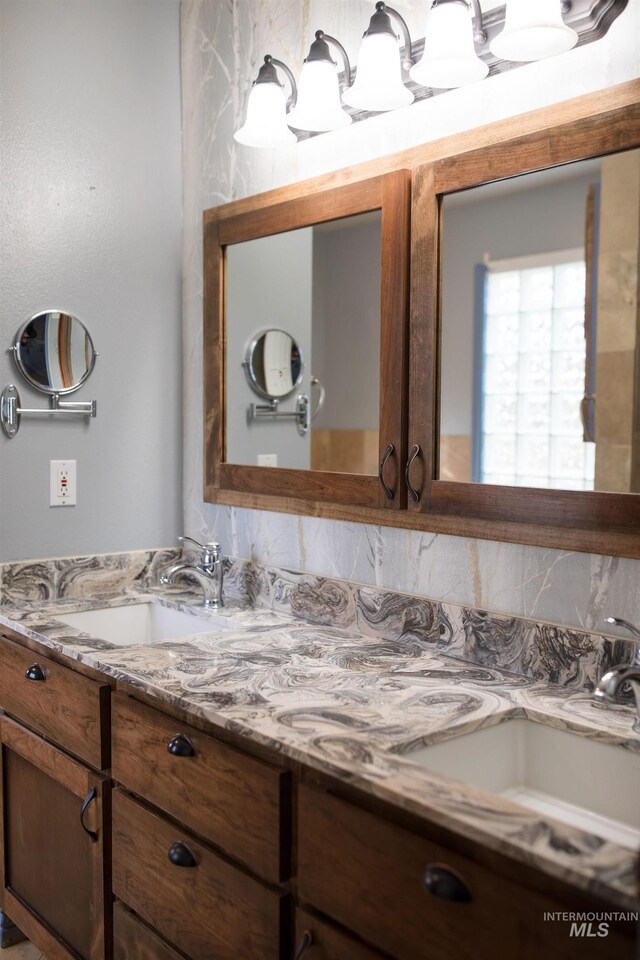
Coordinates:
[530,648]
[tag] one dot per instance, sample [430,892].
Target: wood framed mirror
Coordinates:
[525,335]
[328,273]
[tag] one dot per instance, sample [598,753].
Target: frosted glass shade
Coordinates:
[533,31]
[378,84]
[266,121]
[449,58]
[318,107]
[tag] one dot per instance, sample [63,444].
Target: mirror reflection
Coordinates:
[54,352]
[273,364]
[540,358]
[305,305]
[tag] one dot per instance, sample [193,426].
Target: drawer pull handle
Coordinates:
[306,941]
[446,884]
[181,746]
[415,496]
[35,672]
[181,856]
[93,836]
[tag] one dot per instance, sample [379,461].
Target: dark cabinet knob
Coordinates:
[181,856]
[443,882]
[306,941]
[35,672]
[181,746]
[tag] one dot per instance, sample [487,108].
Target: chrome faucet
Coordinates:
[609,685]
[207,572]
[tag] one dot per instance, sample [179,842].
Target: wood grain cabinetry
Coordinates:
[54,853]
[193,897]
[56,701]
[228,797]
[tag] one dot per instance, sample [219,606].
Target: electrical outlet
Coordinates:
[267,459]
[62,483]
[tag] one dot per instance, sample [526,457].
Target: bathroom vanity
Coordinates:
[262,789]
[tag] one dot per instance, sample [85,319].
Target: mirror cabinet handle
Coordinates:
[443,882]
[415,450]
[181,856]
[306,941]
[181,746]
[388,492]
[35,672]
[93,836]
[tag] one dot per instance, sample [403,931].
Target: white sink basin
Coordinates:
[140,623]
[590,785]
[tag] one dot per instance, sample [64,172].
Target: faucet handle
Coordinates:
[634,631]
[210,551]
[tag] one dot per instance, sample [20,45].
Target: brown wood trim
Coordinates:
[269,219]
[615,543]
[622,95]
[603,512]
[609,132]
[345,488]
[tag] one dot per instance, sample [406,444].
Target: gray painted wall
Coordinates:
[346,321]
[268,285]
[91,222]
[516,224]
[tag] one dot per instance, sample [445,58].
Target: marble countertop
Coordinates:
[355,707]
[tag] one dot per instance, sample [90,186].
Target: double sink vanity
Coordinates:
[276,778]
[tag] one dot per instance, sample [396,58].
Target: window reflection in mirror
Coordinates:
[320,285]
[540,349]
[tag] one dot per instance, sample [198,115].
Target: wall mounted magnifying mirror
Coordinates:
[55,354]
[273,364]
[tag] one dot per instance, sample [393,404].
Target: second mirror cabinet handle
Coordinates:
[443,882]
[181,746]
[35,672]
[415,450]
[93,836]
[388,492]
[306,941]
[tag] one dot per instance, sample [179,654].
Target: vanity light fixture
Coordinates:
[266,122]
[379,85]
[319,107]
[533,31]
[461,46]
[449,58]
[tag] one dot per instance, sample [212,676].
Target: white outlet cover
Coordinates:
[62,483]
[267,459]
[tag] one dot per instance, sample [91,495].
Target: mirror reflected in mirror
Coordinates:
[540,348]
[54,352]
[317,289]
[273,364]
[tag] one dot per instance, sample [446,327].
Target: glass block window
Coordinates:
[533,377]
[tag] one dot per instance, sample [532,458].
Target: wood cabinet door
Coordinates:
[53,847]
[353,460]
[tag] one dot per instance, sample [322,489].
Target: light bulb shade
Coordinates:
[378,84]
[318,107]
[266,121]
[449,58]
[533,31]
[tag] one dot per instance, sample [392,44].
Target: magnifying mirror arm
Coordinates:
[301,414]
[11,412]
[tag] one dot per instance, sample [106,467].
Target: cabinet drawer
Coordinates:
[134,940]
[199,902]
[316,940]
[224,795]
[369,874]
[59,703]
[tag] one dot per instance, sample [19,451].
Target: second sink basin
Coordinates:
[140,623]
[590,785]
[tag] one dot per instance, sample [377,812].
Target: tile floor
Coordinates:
[22,951]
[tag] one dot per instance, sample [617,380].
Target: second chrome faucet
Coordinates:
[610,684]
[208,572]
